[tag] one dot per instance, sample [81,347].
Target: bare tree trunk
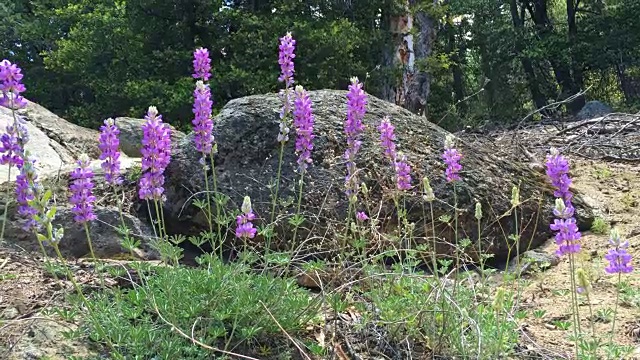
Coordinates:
[412,88]
[518,24]
[578,77]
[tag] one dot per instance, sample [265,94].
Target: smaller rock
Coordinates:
[9,313]
[594,109]
[533,260]
[131,135]
[105,239]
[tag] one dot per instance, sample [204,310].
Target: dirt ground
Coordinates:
[29,331]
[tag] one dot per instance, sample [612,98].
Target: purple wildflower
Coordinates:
[81,190]
[618,257]
[353,127]
[451,157]
[11,86]
[26,190]
[11,147]
[387,138]
[303,122]
[285,59]
[109,151]
[244,223]
[568,235]
[362,216]
[201,64]
[403,174]
[558,173]
[202,123]
[387,141]
[156,154]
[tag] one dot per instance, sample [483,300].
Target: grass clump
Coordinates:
[600,226]
[223,306]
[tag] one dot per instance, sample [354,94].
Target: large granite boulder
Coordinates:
[131,135]
[53,141]
[247,163]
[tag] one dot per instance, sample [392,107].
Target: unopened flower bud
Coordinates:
[428,191]
[478,211]
[515,196]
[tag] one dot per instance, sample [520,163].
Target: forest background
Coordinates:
[458,62]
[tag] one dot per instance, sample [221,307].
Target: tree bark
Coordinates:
[578,77]
[417,80]
[518,24]
[411,89]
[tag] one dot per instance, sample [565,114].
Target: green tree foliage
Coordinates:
[493,62]
[114,58]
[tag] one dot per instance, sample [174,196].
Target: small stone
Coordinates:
[9,313]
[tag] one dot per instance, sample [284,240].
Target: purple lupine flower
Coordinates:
[567,236]
[353,127]
[12,142]
[387,138]
[81,188]
[451,157]
[558,173]
[403,173]
[362,216]
[303,120]
[244,228]
[285,59]
[11,86]
[618,257]
[11,147]
[387,141]
[27,189]
[109,151]
[202,122]
[201,64]
[156,154]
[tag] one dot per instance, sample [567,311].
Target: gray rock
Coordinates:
[53,141]
[131,135]
[105,238]
[593,109]
[533,260]
[247,162]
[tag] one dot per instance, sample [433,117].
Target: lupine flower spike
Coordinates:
[12,142]
[201,64]
[27,190]
[388,138]
[202,105]
[303,120]
[451,157]
[567,236]
[156,154]
[244,228]
[11,86]
[109,152]
[353,128]
[81,188]
[285,59]
[202,122]
[618,257]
